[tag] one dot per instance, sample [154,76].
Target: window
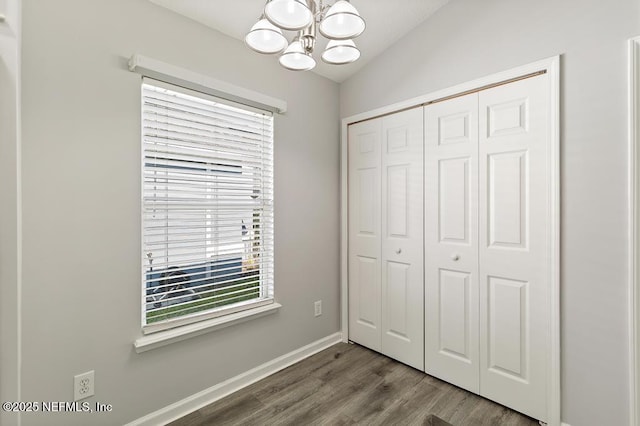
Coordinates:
[207,209]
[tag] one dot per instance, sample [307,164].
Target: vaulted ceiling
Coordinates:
[387,21]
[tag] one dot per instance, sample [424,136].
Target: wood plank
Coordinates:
[351,385]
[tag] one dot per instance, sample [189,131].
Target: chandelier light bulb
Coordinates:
[296,59]
[342,22]
[340,52]
[289,14]
[266,38]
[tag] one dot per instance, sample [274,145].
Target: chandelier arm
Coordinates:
[322,9]
[308,35]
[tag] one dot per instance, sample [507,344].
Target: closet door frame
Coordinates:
[550,66]
[634,228]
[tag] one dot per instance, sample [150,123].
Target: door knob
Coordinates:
[399,251]
[455,257]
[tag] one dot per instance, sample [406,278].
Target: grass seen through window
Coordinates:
[245,289]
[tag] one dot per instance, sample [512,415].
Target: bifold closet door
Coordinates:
[402,229]
[385,236]
[515,251]
[451,241]
[487,242]
[365,233]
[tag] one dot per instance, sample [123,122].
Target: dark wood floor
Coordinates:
[346,385]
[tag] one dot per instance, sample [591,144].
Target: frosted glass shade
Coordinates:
[339,52]
[289,14]
[296,59]
[265,37]
[342,22]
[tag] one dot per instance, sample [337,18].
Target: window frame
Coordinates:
[236,312]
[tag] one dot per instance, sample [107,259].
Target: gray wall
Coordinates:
[81,208]
[468,39]
[9,202]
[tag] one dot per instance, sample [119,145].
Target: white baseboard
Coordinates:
[194,402]
[564,424]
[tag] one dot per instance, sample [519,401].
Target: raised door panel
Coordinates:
[454,325]
[364,233]
[366,282]
[367,191]
[396,296]
[402,225]
[507,199]
[453,211]
[397,204]
[514,245]
[451,241]
[508,327]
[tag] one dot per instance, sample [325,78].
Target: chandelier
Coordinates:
[340,23]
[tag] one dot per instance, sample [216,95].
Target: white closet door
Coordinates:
[451,241]
[514,244]
[402,229]
[364,233]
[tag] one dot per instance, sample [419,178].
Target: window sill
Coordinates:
[163,338]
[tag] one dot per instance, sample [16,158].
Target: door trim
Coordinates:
[552,67]
[634,229]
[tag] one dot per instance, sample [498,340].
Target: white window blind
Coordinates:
[207,209]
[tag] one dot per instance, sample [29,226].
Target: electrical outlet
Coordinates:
[83,385]
[317,307]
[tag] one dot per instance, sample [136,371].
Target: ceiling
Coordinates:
[387,21]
